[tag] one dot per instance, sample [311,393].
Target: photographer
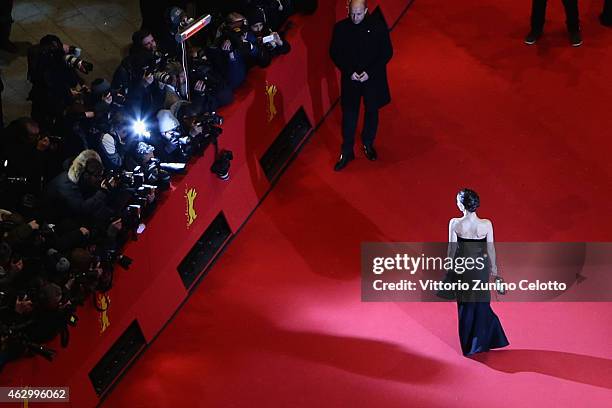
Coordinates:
[209,90]
[174,139]
[37,315]
[272,40]
[172,78]
[103,100]
[136,73]
[29,158]
[81,191]
[145,96]
[143,41]
[237,50]
[151,169]
[176,18]
[52,70]
[114,145]
[74,129]
[274,12]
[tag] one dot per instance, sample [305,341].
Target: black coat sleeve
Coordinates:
[336,50]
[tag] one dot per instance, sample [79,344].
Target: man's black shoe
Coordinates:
[370,152]
[575,38]
[533,37]
[343,161]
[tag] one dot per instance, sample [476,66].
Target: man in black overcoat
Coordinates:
[361,48]
[606,15]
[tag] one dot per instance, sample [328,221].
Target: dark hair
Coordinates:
[140,35]
[469,199]
[51,42]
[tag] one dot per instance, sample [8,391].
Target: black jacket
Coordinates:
[64,199]
[358,48]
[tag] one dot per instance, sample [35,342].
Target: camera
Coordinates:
[6,179]
[154,177]
[78,63]
[126,179]
[202,70]
[210,122]
[234,33]
[156,65]
[211,119]
[111,256]
[13,180]
[205,72]
[119,97]
[162,77]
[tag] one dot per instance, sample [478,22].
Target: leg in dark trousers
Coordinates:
[370,125]
[572,19]
[606,14]
[6,22]
[538,14]
[1,112]
[349,127]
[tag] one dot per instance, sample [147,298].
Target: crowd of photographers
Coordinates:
[78,178]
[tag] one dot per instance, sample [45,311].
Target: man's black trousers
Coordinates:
[349,127]
[538,15]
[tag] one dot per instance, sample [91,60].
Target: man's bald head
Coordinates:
[358,10]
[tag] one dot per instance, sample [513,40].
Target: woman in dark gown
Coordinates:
[472,237]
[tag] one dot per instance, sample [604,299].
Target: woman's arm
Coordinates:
[452,238]
[491,248]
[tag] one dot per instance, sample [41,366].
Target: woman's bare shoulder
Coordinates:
[486,223]
[454,221]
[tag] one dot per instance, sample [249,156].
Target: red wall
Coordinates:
[151,290]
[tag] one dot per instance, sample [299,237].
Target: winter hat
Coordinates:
[175,16]
[100,86]
[256,15]
[166,121]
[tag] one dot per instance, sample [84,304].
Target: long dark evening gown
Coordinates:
[479,327]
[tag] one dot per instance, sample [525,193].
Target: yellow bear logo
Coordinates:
[271,91]
[190,195]
[102,304]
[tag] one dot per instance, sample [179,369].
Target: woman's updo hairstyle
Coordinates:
[469,199]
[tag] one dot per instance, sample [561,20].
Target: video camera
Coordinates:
[210,123]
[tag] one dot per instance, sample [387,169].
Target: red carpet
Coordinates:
[278,322]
